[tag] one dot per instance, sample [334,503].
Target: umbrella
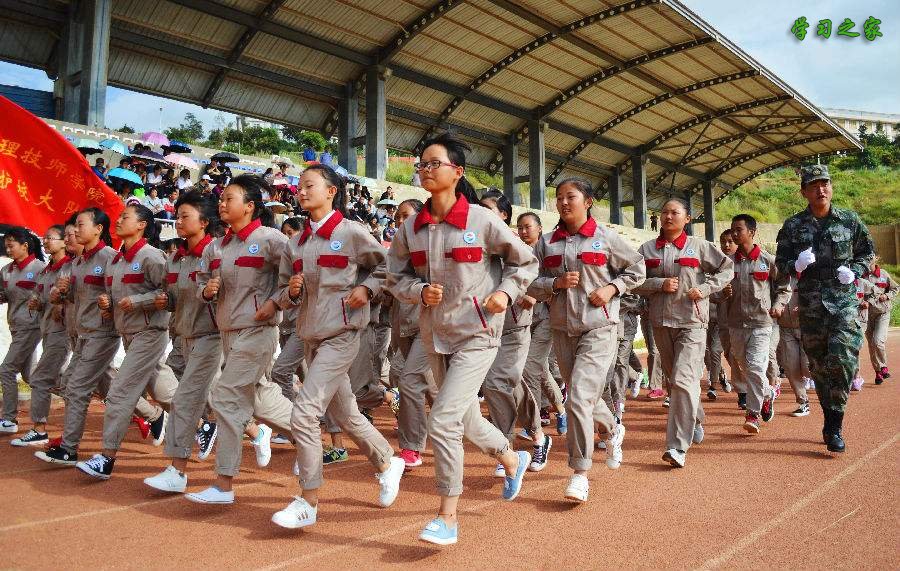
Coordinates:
[277,207]
[225,157]
[149,156]
[282,161]
[341,171]
[177,147]
[155,138]
[181,161]
[125,174]
[88,146]
[115,146]
[387,202]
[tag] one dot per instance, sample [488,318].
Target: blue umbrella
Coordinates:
[177,147]
[341,171]
[125,174]
[115,146]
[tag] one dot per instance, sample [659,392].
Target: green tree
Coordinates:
[189,131]
[304,138]
[125,129]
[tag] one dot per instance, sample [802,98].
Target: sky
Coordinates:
[838,72]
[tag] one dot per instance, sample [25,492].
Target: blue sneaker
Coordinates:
[439,533]
[512,485]
[562,423]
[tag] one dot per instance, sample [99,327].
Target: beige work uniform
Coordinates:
[472,254]
[18,282]
[97,340]
[54,340]
[584,335]
[879,316]
[290,360]
[339,256]
[247,263]
[679,323]
[756,288]
[201,346]
[138,274]
[541,371]
[793,359]
[414,378]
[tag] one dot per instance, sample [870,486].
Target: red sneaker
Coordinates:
[656,394]
[751,423]
[142,425]
[54,442]
[885,374]
[411,458]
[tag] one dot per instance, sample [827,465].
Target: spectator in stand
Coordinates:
[99,168]
[309,154]
[169,205]
[387,194]
[205,184]
[364,192]
[154,177]
[184,180]
[389,231]
[374,228]
[125,163]
[154,202]
[213,171]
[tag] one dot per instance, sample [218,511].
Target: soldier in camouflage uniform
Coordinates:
[828,248]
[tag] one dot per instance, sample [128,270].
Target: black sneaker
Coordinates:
[539,455]
[57,455]
[565,393]
[99,466]
[158,428]
[545,417]
[742,401]
[802,410]
[366,413]
[711,394]
[206,438]
[31,438]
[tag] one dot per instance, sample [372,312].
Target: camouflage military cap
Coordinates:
[813,172]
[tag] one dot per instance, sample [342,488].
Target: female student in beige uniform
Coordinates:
[682,272]
[332,270]
[54,340]
[879,319]
[239,274]
[134,277]
[792,357]
[585,267]
[448,258]
[196,222]
[290,360]
[18,281]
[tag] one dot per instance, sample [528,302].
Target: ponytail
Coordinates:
[25,236]
[456,152]
[151,230]
[100,218]
[253,187]
[332,178]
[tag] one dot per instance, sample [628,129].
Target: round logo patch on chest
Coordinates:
[135,267]
[469,237]
[29,275]
[689,251]
[597,244]
[98,269]
[763,266]
[336,245]
[253,249]
[200,264]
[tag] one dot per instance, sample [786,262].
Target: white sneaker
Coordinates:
[389,481]
[601,445]
[296,468]
[211,495]
[8,427]
[666,402]
[675,457]
[263,446]
[614,447]
[169,480]
[298,514]
[699,433]
[499,471]
[635,388]
[620,408]
[578,488]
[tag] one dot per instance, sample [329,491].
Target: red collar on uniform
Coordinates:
[54,267]
[458,215]
[196,251]
[754,254]
[21,265]
[587,230]
[87,255]
[243,233]
[325,230]
[678,242]
[131,252]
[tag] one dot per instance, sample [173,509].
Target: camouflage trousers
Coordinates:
[832,343]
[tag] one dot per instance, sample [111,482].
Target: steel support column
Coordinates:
[639,191]
[615,198]
[348,124]
[536,163]
[376,124]
[510,166]
[709,211]
[85,62]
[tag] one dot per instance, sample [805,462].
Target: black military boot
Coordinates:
[826,426]
[836,441]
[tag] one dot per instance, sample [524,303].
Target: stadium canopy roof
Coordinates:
[609,83]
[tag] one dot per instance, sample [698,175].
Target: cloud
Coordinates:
[142,112]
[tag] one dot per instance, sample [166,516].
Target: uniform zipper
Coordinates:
[479,312]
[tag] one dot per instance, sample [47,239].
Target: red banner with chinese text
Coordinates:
[43,178]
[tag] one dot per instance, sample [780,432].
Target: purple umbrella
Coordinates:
[155,138]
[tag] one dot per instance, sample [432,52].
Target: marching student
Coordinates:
[97,340]
[879,318]
[290,360]
[585,268]
[718,344]
[508,398]
[332,270]
[541,360]
[18,281]
[793,358]
[751,305]
[865,292]
[682,272]
[196,222]
[54,340]
[66,304]
[240,276]
[410,365]
[448,258]
[134,277]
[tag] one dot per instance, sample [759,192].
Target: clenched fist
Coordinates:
[432,294]
[161,301]
[295,286]
[567,280]
[496,302]
[670,285]
[104,302]
[212,288]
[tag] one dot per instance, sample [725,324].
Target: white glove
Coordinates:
[804,260]
[845,275]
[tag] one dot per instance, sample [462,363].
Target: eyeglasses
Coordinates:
[432,165]
[51,238]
